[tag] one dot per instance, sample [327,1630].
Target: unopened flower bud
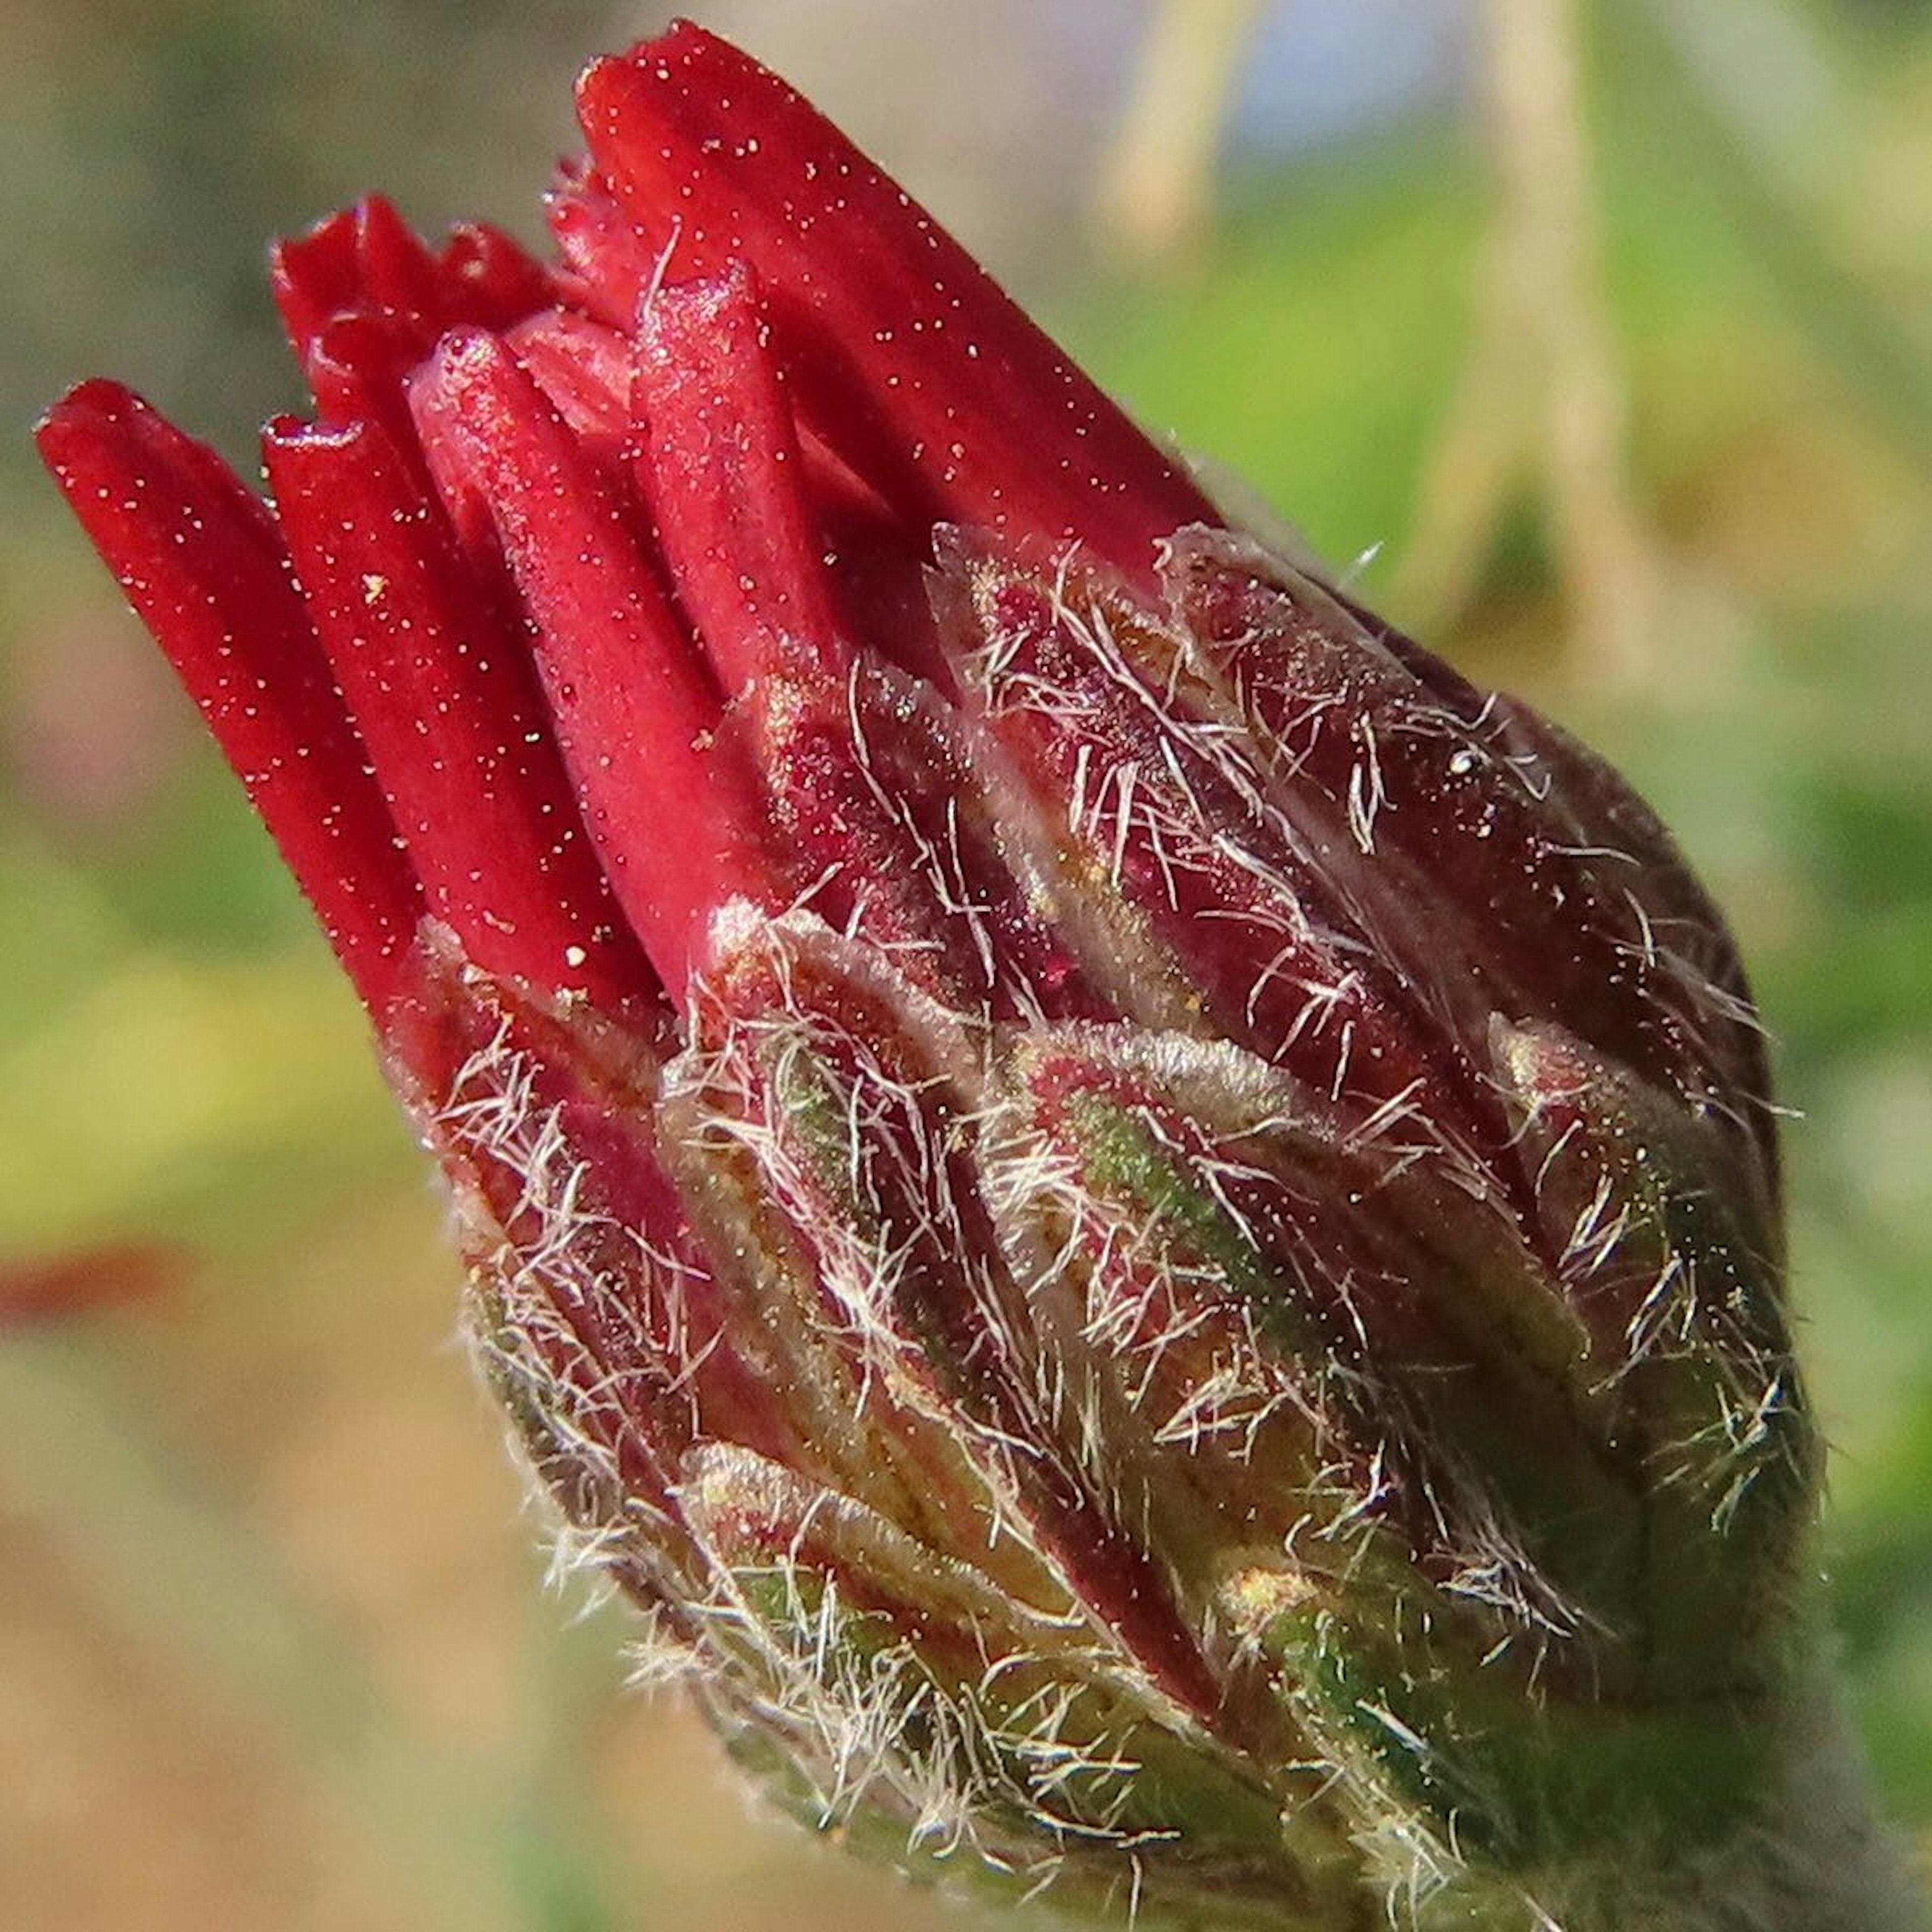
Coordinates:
[1145,1230]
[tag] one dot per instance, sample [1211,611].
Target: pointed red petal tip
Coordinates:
[313,277]
[202,564]
[908,359]
[366,264]
[364,259]
[637,716]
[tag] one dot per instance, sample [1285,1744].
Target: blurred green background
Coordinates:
[1609,323]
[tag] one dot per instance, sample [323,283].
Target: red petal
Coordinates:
[359,366]
[363,260]
[314,277]
[676,818]
[585,370]
[604,256]
[908,358]
[498,281]
[718,463]
[202,562]
[449,707]
[877,565]
[367,263]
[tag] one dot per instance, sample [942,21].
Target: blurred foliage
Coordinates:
[274,1617]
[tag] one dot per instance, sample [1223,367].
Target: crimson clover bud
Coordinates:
[1144,1230]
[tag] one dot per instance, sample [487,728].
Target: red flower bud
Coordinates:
[1146,1230]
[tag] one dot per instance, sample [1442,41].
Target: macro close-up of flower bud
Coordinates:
[1144,1231]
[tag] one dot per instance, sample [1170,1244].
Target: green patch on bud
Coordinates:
[882,1721]
[1407,1316]
[1122,1158]
[1510,1775]
[810,1109]
[1666,1251]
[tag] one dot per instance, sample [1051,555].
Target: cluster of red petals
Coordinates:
[757,551]
[552,525]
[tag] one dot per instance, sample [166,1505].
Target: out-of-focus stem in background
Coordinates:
[1540,407]
[1154,202]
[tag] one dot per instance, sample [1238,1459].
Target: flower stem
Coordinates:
[1811,1855]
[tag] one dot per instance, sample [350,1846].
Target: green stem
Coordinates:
[1811,1856]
